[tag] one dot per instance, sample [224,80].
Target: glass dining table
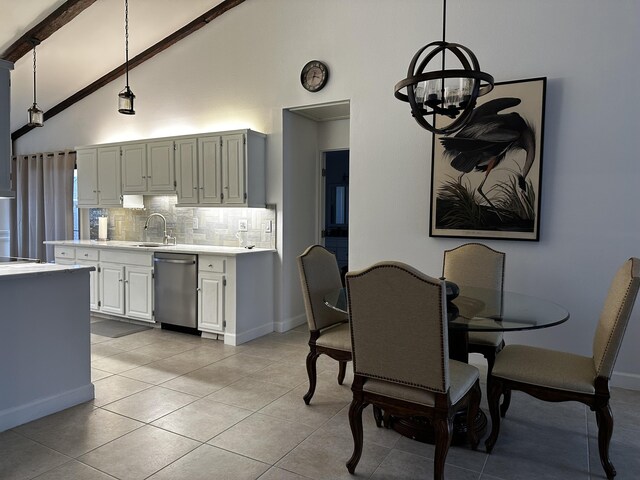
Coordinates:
[483,310]
[473,310]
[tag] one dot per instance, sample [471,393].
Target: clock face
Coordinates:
[314,75]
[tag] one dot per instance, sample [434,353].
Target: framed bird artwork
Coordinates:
[486,177]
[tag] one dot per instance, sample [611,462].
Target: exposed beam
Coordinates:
[150,52]
[58,19]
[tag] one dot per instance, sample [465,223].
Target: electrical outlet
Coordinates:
[195,223]
[242,225]
[267,226]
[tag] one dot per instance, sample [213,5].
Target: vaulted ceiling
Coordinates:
[87,47]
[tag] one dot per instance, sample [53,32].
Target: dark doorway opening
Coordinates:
[336,206]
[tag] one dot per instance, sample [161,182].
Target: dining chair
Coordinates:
[399,340]
[555,376]
[328,329]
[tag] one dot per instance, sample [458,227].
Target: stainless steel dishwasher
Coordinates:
[175,291]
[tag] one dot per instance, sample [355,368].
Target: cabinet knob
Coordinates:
[195,188]
[86,254]
[210,266]
[119,279]
[198,289]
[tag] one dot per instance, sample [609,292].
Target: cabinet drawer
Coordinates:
[208,263]
[67,253]
[87,254]
[127,258]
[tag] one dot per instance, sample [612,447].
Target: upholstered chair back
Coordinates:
[319,275]
[615,317]
[475,265]
[398,326]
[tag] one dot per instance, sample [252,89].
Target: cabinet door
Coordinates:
[134,168]
[94,284]
[210,169]
[112,289]
[87,162]
[187,171]
[109,181]
[210,302]
[138,288]
[233,169]
[160,167]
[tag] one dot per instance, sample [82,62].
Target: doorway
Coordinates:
[335,231]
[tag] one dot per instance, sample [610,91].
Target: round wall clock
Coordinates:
[314,75]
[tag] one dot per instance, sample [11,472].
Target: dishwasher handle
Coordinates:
[170,260]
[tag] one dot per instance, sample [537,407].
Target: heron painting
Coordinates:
[486,176]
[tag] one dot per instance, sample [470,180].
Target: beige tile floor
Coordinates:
[173,406]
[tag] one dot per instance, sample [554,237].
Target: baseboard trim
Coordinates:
[289,323]
[630,381]
[248,335]
[12,417]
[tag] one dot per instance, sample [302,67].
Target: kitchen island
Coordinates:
[45,349]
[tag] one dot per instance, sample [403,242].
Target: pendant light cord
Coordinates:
[34,74]
[126,39]
[444,31]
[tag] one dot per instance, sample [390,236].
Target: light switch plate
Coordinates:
[195,223]
[242,225]
[267,226]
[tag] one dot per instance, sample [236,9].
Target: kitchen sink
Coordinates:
[150,244]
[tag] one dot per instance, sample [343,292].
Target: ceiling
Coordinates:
[91,45]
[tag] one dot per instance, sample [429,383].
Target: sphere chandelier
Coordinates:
[450,93]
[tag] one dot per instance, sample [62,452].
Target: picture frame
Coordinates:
[486,178]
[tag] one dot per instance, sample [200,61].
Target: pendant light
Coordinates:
[447,93]
[36,116]
[126,96]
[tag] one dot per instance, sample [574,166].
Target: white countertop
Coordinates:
[11,270]
[180,248]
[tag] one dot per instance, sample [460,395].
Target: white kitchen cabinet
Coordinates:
[211,293]
[89,257]
[99,179]
[148,168]
[211,302]
[138,288]
[112,289]
[134,168]
[186,167]
[230,170]
[65,255]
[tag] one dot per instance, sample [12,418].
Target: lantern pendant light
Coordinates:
[126,96]
[450,93]
[36,116]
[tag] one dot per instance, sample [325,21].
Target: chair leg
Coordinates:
[341,372]
[378,416]
[605,430]
[443,428]
[495,388]
[311,372]
[472,414]
[355,422]
[506,401]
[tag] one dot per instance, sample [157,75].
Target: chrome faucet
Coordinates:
[166,238]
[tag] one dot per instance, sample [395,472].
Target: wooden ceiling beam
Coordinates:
[150,52]
[58,19]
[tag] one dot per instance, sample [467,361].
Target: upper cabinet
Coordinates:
[224,169]
[99,179]
[221,170]
[148,168]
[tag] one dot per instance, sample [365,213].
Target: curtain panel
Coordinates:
[44,202]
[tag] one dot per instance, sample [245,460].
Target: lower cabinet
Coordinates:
[211,293]
[122,283]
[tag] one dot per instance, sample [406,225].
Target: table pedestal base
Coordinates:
[419,428]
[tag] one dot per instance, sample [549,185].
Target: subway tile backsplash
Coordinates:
[215,226]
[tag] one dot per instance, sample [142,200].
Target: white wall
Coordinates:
[243,69]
